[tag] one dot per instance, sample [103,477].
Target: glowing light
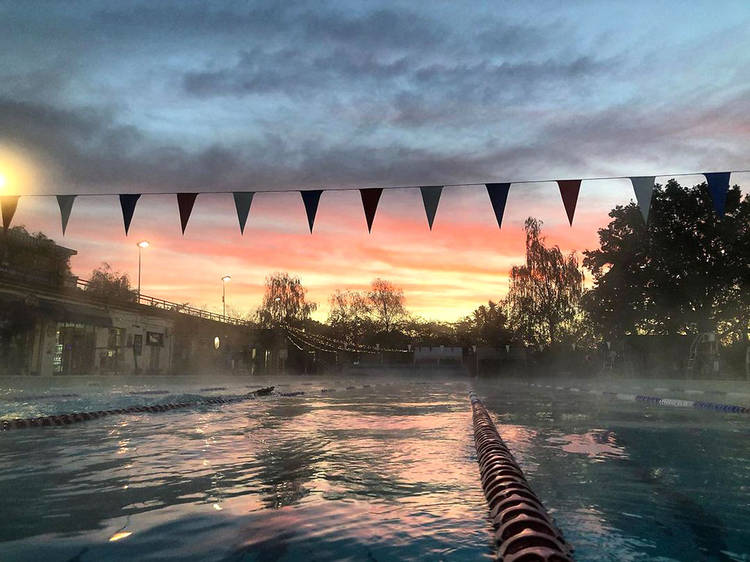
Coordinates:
[217,507]
[143,244]
[119,536]
[19,174]
[226,278]
[217,342]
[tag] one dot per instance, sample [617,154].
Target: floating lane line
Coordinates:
[524,531]
[67,419]
[661,401]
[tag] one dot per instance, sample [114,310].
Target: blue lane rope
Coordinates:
[660,401]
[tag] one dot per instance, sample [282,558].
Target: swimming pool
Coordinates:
[380,469]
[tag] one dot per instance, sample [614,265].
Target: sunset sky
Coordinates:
[151,97]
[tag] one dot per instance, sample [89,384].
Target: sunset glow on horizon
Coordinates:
[445,273]
[191,97]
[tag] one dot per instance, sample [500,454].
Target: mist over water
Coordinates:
[377,468]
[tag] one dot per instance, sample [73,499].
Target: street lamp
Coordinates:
[224,295]
[142,244]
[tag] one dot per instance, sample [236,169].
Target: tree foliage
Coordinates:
[106,284]
[687,272]
[543,301]
[487,325]
[34,257]
[284,302]
[387,302]
[349,315]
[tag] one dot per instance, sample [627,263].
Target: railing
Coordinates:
[162,304]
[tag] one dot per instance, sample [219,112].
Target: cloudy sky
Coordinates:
[114,97]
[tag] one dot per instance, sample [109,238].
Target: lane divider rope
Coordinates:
[524,531]
[66,419]
[657,400]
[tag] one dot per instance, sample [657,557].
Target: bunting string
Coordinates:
[643,187]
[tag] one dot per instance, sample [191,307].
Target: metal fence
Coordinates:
[162,304]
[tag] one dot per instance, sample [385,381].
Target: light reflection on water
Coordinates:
[380,473]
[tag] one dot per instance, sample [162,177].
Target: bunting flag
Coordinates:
[569,192]
[718,185]
[643,186]
[370,198]
[8,204]
[66,206]
[242,202]
[311,198]
[185,202]
[127,204]
[430,199]
[498,193]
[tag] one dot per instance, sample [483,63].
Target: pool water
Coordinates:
[381,469]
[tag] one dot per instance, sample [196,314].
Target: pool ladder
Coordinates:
[524,531]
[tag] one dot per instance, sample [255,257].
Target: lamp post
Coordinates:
[224,295]
[142,244]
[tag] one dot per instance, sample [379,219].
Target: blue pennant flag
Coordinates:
[718,185]
[498,193]
[311,198]
[127,204]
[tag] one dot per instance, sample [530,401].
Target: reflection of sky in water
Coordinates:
[596,443]
[379,473]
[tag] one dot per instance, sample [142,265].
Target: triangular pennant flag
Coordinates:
[498,193]
[185,202]
[718,185]
[66,205]
[127,203]
[370,198]
[431,198]
[311,198]
[569,191]
[644,188]
[8,205]
[242,202]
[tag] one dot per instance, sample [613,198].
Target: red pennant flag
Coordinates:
[370,199]
[8,205]
[569,191]
[185,202]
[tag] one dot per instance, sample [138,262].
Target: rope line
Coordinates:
[524,531]
[658,400]
[67,419]
[387,187]
[344,345]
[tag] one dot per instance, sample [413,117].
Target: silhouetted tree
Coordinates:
[106,284]
[34,258]
[349,315]
[387,303]
[487,325]
[543,301]
[687,272]
[284,302]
